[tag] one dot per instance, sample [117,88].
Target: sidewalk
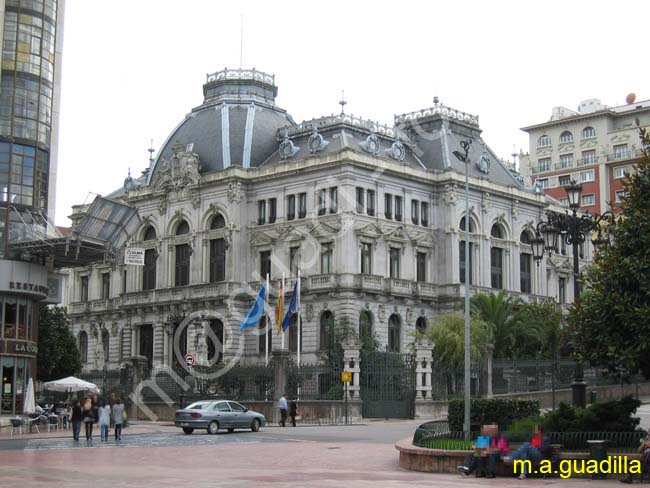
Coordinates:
[134,428]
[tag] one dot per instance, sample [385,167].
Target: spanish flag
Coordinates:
[278,310]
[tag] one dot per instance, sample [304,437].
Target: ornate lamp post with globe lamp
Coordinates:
[573,229]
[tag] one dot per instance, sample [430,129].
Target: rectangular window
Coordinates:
[217,260]
[545,164]
[589,199]
[273,210]
[621,172]
[261,212]
[326,259]
[124,281]
[496,267]
[302,205]
[388,205]
[11,318]
[182,265]
[366,258]
[394,255]
[421,266]
[291,207]
[563,242]
[294,260]
[106,285]
[620,151]
[265,264]
[334,203]
[561,290]
[424,217]
[543,182]
[566,160]
[620,196]
[149,269]
[83,296]
[564,180]
[564,201]
[322,204]
[589,157]
[370,202]
[525,267]
[586,176]
[398,208]
[360,198]
[462,262]
[415,212]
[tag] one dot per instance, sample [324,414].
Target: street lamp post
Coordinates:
[573,229]
[465,145]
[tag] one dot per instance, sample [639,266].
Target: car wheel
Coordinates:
[187,430]
[255,426]
[213,427]
[231,430]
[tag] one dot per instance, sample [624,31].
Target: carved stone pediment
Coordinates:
[423,239]
[398,234]
[261,238]
[178,172]
[371,230]
[325,230]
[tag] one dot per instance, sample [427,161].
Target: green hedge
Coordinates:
[614,416]
[500,411]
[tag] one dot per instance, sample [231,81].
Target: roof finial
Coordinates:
[151,151]
[436,100]
[343,103]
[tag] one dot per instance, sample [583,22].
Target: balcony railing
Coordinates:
[587,161]
[566,165]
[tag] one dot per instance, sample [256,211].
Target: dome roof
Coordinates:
[235,126]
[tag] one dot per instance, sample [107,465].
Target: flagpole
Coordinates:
[298,310]
[282,310]
[266,323]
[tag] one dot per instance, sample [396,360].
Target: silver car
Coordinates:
[218,414]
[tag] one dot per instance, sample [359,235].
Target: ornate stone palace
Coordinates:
[371,214]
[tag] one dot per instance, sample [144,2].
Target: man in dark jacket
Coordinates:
[293,411]
[76,419]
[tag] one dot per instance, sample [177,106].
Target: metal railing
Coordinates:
[315,382]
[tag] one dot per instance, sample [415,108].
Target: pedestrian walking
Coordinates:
[118,414]
[282,405]
[293,411]
[76,418]
[90,417]
[104,420]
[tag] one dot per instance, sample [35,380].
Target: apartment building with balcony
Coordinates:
[596,146]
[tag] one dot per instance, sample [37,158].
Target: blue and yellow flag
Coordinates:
[293,306]
[256,312]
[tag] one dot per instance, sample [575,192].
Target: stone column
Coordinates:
[281,376]
[158,345]
[127,337]
[423,370]
[352,363]
[139,365]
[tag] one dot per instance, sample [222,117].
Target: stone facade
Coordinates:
[372,222]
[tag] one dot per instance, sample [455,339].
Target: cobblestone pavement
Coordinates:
[343,456]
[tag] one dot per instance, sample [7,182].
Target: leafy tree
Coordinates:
[498,312]
[540,330]
[448,336]
[58,354]
[611,321]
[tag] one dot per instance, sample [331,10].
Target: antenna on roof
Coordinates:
[343,103]
[241,40]
[151,151]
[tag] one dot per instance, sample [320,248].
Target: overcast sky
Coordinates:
[133,68]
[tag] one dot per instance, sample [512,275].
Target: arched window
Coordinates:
[525,264]
[215,341]
[218,222]
[497,231]
[149,234]
[462,227]
[421,325]
[264,334]
[106,338]
[326,324]
[293,334]
[83,346]
[149,269]
[566,136]
[365,327]
[182,228]
[394,330]
[588,133]
[525,237]
[544,141]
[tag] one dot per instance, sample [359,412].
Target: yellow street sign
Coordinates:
[346,376]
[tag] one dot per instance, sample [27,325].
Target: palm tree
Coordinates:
[501,313]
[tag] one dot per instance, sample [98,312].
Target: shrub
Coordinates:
[614,416]
[521,429]
[500,411]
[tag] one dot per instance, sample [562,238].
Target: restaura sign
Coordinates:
[134,256]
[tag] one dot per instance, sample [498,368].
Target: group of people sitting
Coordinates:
[491,447]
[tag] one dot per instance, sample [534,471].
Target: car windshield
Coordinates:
[197,406]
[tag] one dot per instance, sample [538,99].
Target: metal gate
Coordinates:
[387,385]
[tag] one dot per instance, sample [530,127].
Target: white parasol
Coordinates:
[71,384]
[29,404]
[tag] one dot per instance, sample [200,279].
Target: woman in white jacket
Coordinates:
[104,420]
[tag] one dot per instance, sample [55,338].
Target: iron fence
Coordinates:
[116,383]
[450,383]
[315,382]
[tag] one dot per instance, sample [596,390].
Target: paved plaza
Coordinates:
[160,455]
